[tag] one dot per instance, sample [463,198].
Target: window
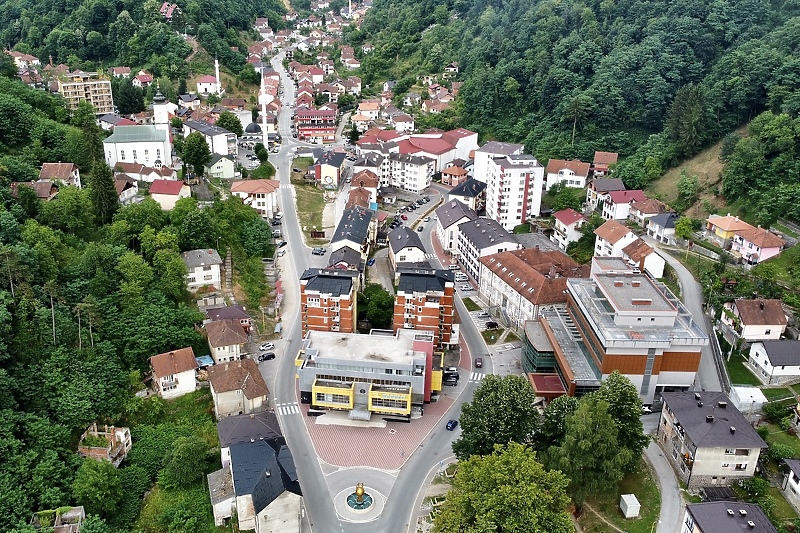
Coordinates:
[191,279]
[134,155]
[146,152]
[122,154]
[207,268]
[208,278]
[767,332]
[158,153]
[741,467]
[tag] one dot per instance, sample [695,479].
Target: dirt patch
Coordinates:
[708,168]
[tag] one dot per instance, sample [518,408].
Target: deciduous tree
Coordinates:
[230,122]
[501,411]
[97,487]
[196,152]
[508,491]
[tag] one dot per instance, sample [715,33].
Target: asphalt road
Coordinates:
[408,486]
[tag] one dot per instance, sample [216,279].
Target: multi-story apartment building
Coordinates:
[489,151]
[479,238]
[383,373]
[707,440]
[619,320]
[219,140]
[425,301]
[449,216]
[514,189]
[79,86]
[316,126]
[328,300]
[411,172]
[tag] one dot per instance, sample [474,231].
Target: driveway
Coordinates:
[669,519]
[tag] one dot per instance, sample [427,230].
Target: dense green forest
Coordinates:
[89,33]
[88,292]
[654,80]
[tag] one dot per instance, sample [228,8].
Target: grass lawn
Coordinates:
[777,394]
[522,228]
[470,304]
[310,205]
[491,335]
[784,512]
[511,337]
[640,483]
[739,374]
[787,258]
[777,435]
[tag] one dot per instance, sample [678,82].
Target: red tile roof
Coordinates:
[603,159]
[761,237]
[56,171]
[170,187]
[240,375]
[174,362]
[208,78]
[760,312]
[624,197]
[638,250]
[568,216]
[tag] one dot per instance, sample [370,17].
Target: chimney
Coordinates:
[733,430]
[709,419]
[722,405]
[699,404]
[696,395]
[761,305]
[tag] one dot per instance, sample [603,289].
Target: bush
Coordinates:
[762,431]
[754,486]
[775,411]
[778,452]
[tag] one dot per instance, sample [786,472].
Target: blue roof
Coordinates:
[204,361]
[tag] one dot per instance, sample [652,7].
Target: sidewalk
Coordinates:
[669,519]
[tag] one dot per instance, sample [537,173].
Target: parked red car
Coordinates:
[404,217]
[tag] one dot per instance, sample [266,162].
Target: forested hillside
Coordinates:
[87,33]
[655,80]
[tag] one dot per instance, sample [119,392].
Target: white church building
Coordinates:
[148,145]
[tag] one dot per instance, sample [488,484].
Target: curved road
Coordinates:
[435,448]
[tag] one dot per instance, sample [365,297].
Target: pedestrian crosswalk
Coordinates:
[476,376]
[288,408]
[430,256]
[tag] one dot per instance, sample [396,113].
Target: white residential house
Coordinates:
[642,257]
[261,195]
[221,167]
[724,517]
[567,227]
[611,238]
[598,188]
[203,269]
[174,373]
[448,218]
[641,212]
[775,362]
[66,173]
[168,192]
[127,188]
[662,227]
[707,440]
[791,482]
[479,238]
[405,246]
[570,173]
[617,204]
[227,339]
[237,388]
[755,320]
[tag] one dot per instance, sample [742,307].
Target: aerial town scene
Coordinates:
[356,266]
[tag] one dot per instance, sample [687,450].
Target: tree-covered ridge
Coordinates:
[613,70]
[130,33]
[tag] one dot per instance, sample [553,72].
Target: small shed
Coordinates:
[630,506]
[748,400]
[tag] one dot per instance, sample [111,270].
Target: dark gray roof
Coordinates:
[189,97]
[713,517]
[217,157]
[331,158]
[692,408]
[500,148]
[607,184]
[410,159]
[452,211]
[236,312]
[353,226]
[420,265]
[794,465]
[403,237]
[664,220]
[348,256]
[196,258]
[782,352]
[111,118]
[249,428]
[369,160]
[420,280]
[253,127]
[205,128]
[263,471]
[485,232]
[331,281]
[469,189]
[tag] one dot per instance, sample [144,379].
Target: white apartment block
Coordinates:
[514,189]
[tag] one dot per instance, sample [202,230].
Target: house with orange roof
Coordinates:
[722,229]
[611,238]
[261,195]
[602,163]
[174,373]
[454,175]
[755,245]
[645,209]
[569,172]
[168,192]
[642,257]
[567,227]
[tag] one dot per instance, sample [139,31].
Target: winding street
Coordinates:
[315,476]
